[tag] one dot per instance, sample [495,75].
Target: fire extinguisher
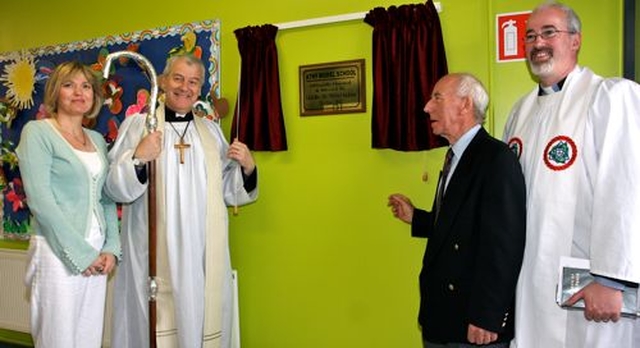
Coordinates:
[510,37]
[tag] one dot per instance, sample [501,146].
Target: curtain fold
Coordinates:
[408,59]
[258,119]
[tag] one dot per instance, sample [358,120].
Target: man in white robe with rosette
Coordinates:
[577,136]
[198,174]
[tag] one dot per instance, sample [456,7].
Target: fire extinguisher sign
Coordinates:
[510,30]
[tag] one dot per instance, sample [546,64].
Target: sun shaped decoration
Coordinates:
[19,78]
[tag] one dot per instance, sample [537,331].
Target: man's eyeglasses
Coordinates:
[545,34]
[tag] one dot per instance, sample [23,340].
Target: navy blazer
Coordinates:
[475,249]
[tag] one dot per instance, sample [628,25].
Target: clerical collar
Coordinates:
[557,87]
[171,116]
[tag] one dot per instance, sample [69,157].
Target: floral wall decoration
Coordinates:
[23,75]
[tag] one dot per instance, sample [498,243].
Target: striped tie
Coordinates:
[444,174]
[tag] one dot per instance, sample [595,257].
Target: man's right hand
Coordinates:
[401,207]
[149,147]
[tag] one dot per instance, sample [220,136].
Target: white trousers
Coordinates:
[67,311]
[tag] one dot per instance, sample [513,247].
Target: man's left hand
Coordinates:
[240,152]
[602,303]
[477,335]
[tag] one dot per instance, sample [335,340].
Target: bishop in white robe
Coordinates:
[194,305]
[197,175]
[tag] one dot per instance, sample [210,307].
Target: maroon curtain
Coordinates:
[258,120]
[408,59]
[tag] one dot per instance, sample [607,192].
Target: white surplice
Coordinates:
[195,297]
[580,154]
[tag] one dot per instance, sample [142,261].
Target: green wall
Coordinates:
[321,261]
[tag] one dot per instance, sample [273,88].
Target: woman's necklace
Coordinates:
[72,137]
[181,146]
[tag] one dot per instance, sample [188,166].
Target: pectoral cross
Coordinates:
[181,146]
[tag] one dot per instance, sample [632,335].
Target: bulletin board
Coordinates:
[23,75]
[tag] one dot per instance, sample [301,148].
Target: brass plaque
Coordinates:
[332,88]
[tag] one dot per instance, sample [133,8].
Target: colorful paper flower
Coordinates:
[98,66]
[204,109]
[112,131]
[8,112]
[188,46]
[15,195]
[140,107]
[7,155]
[44,68]
[112,95]
[132,47]
[42,113]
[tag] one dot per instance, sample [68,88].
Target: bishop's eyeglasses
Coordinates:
[545,34]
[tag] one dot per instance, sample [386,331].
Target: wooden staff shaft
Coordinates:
[152,251]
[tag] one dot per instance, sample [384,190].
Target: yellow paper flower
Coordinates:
[19,78]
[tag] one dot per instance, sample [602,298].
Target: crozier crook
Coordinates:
[152,121]
[151,125]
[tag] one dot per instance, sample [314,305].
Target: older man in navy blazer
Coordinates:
[476,229]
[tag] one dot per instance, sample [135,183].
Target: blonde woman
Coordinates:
[75,241]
